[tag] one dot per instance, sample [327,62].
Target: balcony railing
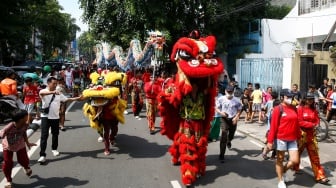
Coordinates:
[309,6]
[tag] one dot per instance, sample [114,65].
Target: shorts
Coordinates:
[29,108]
[246,108]
[282,145]
[256,107]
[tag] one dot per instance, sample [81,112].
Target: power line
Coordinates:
[242,8]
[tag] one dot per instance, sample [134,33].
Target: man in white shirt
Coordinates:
[229,108]
[51,98]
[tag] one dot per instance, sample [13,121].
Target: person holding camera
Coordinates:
[51,101]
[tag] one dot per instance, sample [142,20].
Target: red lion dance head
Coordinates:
[195,58]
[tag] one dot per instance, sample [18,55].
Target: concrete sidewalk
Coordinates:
[327,148]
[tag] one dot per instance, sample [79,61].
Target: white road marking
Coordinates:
[17,168]
[69,107]
[175,184]
[257,143]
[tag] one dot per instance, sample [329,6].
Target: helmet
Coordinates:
[47,68]
[10,72]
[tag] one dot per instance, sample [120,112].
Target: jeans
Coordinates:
[45,125]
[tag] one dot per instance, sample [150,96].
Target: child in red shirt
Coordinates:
[29,94]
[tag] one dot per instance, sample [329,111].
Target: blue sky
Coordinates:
[72,7]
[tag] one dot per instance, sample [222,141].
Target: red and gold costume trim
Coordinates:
[197,74]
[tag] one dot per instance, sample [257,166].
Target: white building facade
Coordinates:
[308,23]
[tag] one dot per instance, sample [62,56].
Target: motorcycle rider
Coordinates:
[8,88]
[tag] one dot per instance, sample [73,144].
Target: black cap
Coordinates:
[286,92]
[229,88]
[310,96]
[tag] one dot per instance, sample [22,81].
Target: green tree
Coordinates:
[22,19]
[86,45]
[120,21]
[55,29]
[14,29]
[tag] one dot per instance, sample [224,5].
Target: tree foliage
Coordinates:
[119,21]
[86,43]
[20,20]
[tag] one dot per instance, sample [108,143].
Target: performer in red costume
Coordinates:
[146,75]
[110,123]
[192,96]
[152,89]
[136,87]
[308,119]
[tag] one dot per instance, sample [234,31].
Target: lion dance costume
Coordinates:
[136,88]
[192,97]
[151,89]
[105,104]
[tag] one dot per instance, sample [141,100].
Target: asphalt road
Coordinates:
[140,160]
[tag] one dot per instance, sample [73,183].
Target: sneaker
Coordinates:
[281,184]
[100,139]
[28,172]
[137,117]
[125,112]
[41,160]
[229,145]
[55,153]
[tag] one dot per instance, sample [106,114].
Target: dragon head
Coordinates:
[196,56]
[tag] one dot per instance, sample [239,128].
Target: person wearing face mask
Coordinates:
[285,131]
[308,120]
[229,108]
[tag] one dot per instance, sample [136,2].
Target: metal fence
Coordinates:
[267,72]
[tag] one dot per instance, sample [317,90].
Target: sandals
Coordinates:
[28,172]
[106,153]
[323,181]
[62,128]
[8,185]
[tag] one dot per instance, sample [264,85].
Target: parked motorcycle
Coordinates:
[7,105]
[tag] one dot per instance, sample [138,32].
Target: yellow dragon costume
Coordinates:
[104,87]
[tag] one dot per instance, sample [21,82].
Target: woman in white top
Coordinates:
[68,77]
